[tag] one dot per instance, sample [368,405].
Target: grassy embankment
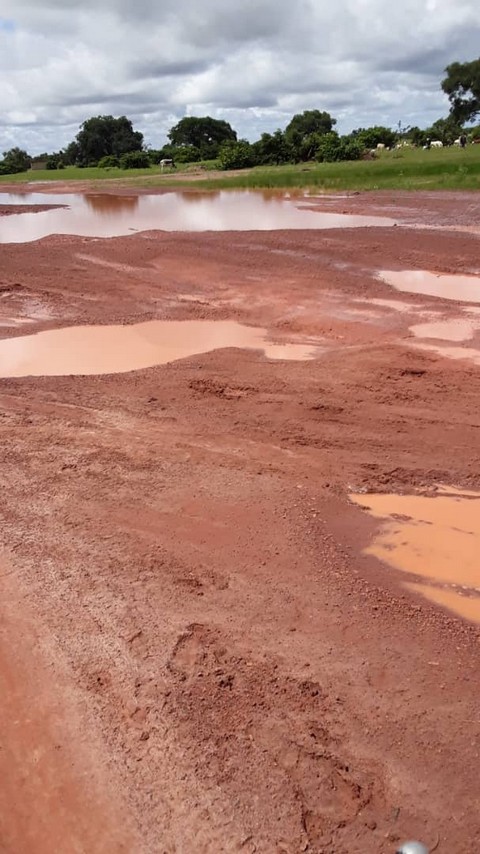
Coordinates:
[444,169]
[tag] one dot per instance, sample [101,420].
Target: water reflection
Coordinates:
[106,205]
[102,215]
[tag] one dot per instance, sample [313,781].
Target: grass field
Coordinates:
[444,169]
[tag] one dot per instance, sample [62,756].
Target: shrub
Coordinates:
[109,161]
[236,155]
[135,160]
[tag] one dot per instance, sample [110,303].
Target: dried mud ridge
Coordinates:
[213,662]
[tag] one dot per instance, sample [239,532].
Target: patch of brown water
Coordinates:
[444,286]
[453,329]
[469,353]
[97,215]
[82,350]
[436,539]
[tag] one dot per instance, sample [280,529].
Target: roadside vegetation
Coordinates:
[308,153]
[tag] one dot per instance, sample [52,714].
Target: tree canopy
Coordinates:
[101,136]
[304,128]
[462,85]
[204,133]
[15,160]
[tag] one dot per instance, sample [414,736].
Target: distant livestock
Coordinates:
[436,143]
[381,146]
[166,162]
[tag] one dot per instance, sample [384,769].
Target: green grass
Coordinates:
[444,169]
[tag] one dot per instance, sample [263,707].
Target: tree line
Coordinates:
[111,142]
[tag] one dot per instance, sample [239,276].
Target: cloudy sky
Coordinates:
[252,62]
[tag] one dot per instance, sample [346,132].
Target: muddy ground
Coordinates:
[196,655]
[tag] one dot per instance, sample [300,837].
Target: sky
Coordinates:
[254,63]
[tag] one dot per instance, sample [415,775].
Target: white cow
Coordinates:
[165,162]
[381,146]
[436,143]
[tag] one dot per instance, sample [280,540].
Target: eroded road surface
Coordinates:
[221,625]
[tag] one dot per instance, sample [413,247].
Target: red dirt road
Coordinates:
[195,655]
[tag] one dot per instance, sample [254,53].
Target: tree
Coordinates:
[135,160]
[333,147]
[446,130]
[304,125]
[103,135]
[204,133]
[272,149]
[15,160]
[236,155]
[462,85]
[371,137]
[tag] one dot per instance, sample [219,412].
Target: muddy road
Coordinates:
[202,649]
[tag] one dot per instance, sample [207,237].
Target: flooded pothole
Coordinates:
[84,350]
[104,215]
[435,540]
[445,286]
[453,329]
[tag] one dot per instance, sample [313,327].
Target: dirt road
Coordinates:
[196,653]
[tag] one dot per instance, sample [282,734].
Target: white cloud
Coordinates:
[254,63]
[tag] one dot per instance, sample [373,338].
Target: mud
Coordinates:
[190,609]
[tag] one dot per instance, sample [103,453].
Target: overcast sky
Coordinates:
[252,62]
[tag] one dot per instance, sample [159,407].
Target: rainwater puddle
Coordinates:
[460,288]
[82,350]
[455,329]
[102,215]
[436,539]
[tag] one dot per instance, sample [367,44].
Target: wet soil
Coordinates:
[226,667]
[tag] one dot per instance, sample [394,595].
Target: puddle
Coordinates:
[453,287]
[446,330]
[82,350]
[436,539]
[102,215]
[468,353]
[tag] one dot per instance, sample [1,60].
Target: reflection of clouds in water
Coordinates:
[101,215]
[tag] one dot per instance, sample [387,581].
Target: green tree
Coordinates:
[333,147]
[236,155]
[104,135]
[135,160]
[462,85]
[371,137]
[15,160]
[272,148]
[203,133]
[446,130]
[302,127]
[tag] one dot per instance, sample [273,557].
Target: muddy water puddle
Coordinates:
[445,286]
[82,350]
[102,215]
[433,539]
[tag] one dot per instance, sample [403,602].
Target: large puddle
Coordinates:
[82,350]
[436,540]
[445,286]
[102,215]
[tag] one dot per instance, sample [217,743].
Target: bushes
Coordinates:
[236,155]
[333,148]
[109,161]
[135,160]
